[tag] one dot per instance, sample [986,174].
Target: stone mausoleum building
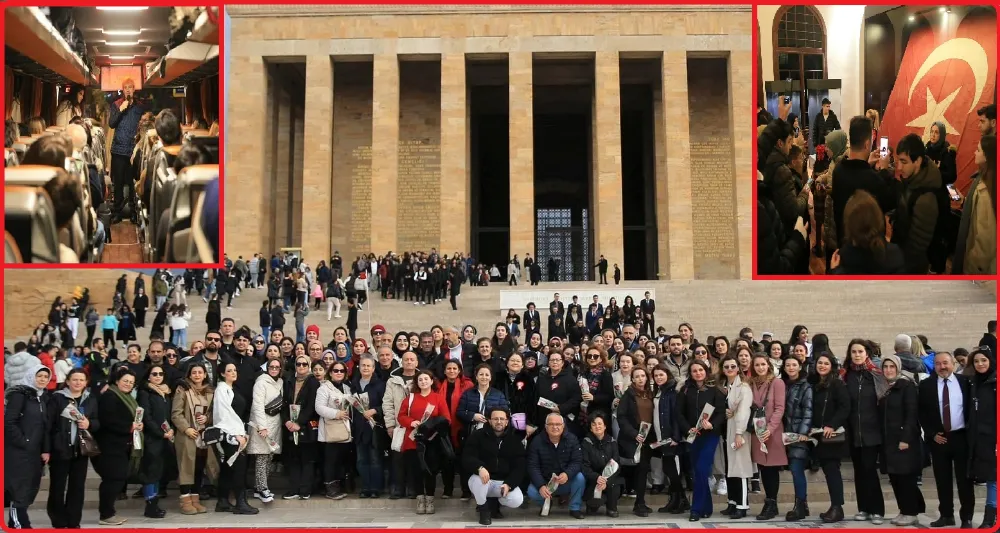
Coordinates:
[562,131]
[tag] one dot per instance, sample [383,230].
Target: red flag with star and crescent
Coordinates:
[945,78]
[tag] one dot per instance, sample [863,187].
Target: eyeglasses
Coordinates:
[301,364]
[259,341]
[338,371]
[171,356]
[274,367]
[216,339]
[593,356]
[498,419]
[730,367]
[155,374]
[701,352]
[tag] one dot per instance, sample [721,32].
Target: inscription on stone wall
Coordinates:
[361,198]
[419,195]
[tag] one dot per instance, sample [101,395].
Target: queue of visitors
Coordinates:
[832,217]
[594,414]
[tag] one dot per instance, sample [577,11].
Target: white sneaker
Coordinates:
[861,517]
[907,520]
[265,496]
[712,483]
[721,488]
[877,519]
[336,316]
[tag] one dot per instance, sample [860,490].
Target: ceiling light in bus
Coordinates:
[122,57]
[122,8]
[121,33]
[122,43]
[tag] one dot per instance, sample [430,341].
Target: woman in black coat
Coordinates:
[599,447]
[636,407]
[139,304]
[126,325]
[865,385]
[369,441]
[519,389]
[666,426]
[67,466]
[901,458]
[26,442]
[597,372]
[983,416]
[831,407]
[300,458]
[156,402]
[559,386]
[118,459]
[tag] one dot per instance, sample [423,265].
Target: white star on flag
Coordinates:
[935,113]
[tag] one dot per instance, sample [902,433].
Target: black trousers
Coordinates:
[770,476]
[300,464]
[108,493]
[669,467]
[336,457]
[907,493]
[866,480]
[422,483]
[121,179]
[448,471]
[834,480]
[604,278]
[640,472]
[90,334]
[944,457]
[67,480]
[454,300]
[109,338]
[738,492]
[231,478]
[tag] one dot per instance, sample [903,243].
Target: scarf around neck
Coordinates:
[135,458]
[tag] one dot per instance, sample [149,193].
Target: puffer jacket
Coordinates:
[596,455]
[395,392]
[781,249]
[781,181]
[15,367]
[265,390]
[469,405]
[798,415]
[922,221]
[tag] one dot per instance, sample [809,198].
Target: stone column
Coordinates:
[246,111]
[678,178]
[284,162]
[455,190]
[385,152]
[740,87]
[607,186]
[522,162]
[317,167]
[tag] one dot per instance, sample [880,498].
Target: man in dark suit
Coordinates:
[602,269]
[990,338]
[558,305]
[647,307]
[943,409]
[531,323]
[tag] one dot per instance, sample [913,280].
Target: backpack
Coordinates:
[903,221]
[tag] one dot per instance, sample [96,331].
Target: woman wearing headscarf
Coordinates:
[25,443]
[831,407]
[265,424]
[400,345]
[227,405]
[119,458]
[941,153]
[902,458]
[155,400]
[191,413]
[333,405]
[826,223]
[865,385]
[68,465]
[299,449]
[982,416]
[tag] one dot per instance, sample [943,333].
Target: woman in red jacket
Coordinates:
[421,401]
[451,389]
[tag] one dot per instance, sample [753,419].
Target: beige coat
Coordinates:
[739,400]
[182,416]
[265,389]
[395,393]
[981,244]
[329,402]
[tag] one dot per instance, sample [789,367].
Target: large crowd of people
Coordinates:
[609,407]
[849,214]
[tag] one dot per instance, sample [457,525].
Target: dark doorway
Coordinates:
[490,163]
[562,148]
[638,168]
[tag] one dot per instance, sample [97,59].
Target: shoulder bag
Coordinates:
[399,432]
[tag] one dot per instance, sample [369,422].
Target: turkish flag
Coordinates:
[945,78]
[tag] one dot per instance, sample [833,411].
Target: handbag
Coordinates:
[519,421]
[758,411]
[836,438]
[274,407]
[211,435]
[399,432]
[336,430]
[88,446]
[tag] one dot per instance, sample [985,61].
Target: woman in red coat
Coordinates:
[421,401]
[451,389]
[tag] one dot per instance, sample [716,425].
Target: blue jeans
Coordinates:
[370,468]
[300,333]
[991,493]
[179,338]
[266,332]
[150,490]
[798,468]
[574,488]
[702,453]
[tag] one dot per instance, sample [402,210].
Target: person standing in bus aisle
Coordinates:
[125,115]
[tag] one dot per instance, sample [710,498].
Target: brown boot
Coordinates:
[429,504]
[196,502]
[186,507]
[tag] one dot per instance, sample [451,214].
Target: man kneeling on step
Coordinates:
[495,456]
[558,453]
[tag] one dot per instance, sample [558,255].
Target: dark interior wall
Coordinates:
[880,61]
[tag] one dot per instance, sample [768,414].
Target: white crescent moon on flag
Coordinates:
[964,49]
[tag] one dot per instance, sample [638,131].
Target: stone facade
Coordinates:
[393,174]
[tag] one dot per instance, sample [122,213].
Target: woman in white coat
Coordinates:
[265,435]
[739,398]
[333,404]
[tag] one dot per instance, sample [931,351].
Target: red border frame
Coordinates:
[222,92]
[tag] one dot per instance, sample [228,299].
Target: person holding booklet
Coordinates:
[635,420]
[601,467]
[702,409]
[555,463]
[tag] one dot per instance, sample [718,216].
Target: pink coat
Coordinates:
[775,411]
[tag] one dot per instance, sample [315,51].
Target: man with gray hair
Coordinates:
[556,453]
[911,364]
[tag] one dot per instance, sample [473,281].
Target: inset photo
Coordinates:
[876,151]
[111,147]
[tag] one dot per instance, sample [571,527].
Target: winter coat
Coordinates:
[596,455]
[604,393]
[60,428]
[782,184]
[361,430]
[739,400]
[26,437]
[265,390]
[396,390]
[798,415]
[472,402]
[780,249]
[330,401]
[521,394]
[412,410]
[691,401]
[860,261]
[182,417]
[975,246]
[864,427]
[564,390]
[898,415]
[156,412]
[544,459]
[665,419]
[16,366]
[503,456]
[831,408]
[774,410]
[922,221]
[628,425]
[431,442]
[308,419]
[115,438]
[983,417]
[459,427]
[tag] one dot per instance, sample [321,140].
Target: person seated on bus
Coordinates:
[189,155]
[71,106]
[213,131]
[11,136]
[65,195]
[95,184]
[168,129]
[36,126]
[51,150]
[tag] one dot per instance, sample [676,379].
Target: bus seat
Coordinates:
[190,187]
[30,219]
[200,250]
[11,252]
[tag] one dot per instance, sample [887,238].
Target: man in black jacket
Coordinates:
[647,306]
[557,453]
[943,409]
[248,366]
[495,456]
[825,122]
[990,338]
[602,269]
